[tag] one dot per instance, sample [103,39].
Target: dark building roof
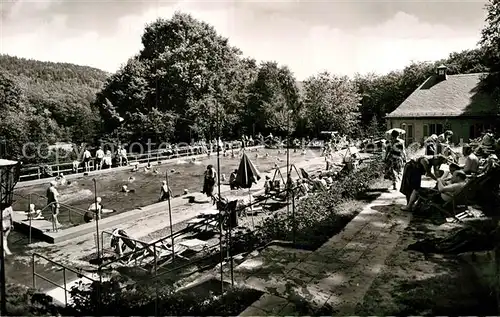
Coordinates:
[455,96]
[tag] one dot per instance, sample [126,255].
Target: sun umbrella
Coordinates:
[401,131]
[247,173]
[246,176]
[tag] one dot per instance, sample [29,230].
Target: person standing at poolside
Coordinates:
[165,192]
[122,153]
[209,181]
[86,160]
[99,154]
[7,225]
[53,201]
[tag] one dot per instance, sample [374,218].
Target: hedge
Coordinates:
[153,299]
[318,216]
[25,301]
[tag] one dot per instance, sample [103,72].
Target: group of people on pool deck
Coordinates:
[448,184]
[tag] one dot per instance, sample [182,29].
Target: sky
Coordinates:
[342,37]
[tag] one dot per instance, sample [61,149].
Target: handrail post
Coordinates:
[33,269]
[65,287]
[156,258]
[293,217]
[30,217]
[102,245]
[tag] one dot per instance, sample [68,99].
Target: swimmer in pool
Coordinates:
[94,210]
[125,189]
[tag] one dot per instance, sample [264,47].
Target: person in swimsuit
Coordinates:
[165,192]
[209,181]
[53,201]
[86,160]
[7,226]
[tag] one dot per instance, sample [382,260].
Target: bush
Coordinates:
[154,299]
[24,301]
[319,216]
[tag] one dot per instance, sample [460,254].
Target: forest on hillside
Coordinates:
[188,81]
[47,102]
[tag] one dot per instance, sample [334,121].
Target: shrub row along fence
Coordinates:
[311,222]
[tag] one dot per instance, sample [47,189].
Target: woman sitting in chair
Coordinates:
[446,191]
[413,172]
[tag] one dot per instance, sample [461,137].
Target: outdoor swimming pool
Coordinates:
[182,175]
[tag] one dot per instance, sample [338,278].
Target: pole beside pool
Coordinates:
[170,215]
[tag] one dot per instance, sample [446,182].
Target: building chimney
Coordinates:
[442,72]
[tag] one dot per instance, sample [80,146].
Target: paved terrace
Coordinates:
[337,274]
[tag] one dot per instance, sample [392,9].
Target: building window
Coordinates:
[476,130]
[435,128]
[426,130]
[409,134]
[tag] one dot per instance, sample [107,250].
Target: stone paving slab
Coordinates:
[340,272]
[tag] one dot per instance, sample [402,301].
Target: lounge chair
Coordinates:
[138,250]
[180,247]
[457,208]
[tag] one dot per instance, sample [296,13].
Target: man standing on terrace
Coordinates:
[122,156]
[53,201]
[99,154]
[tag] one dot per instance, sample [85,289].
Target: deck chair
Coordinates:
[182,246]
[139,250]
[457,208]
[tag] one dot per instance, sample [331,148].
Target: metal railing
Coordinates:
[62,207]
[154,246]
[64,269]
[144,246]
[36,172]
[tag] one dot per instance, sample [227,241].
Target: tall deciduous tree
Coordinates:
[331,103]
[274,100]
[186,72]
[490,41]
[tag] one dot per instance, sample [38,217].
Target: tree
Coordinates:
[274,98]
[186,69]
[490,35]
[55,96]
[331,103]
[490,42]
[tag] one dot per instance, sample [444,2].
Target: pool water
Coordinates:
[182,175]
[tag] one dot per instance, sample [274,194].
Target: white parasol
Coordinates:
[401,131]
